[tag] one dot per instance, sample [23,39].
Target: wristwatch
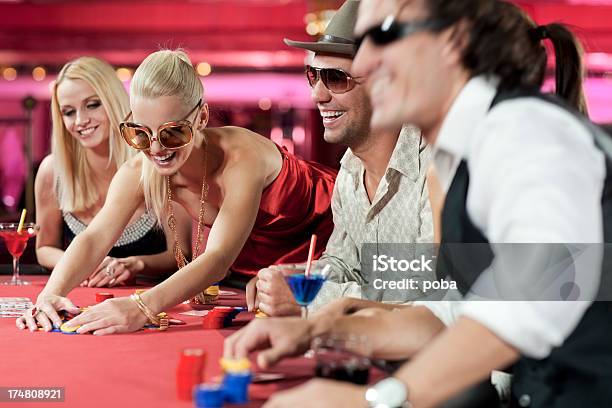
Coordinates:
[388,393]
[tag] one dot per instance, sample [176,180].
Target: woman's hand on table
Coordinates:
[114,271]
[329,394]
[120,315]
[45,312]
[277,338]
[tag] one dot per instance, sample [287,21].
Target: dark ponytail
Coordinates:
[569,68]
[502,40]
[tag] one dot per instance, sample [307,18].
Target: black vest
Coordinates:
[579,372]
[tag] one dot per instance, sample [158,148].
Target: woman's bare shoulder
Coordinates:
[246,153]
[233,136]
[46,172]
[130,171]
[240,142]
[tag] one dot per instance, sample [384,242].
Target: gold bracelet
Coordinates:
[144,309]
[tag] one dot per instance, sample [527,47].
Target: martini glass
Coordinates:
[16,243]
[305,287]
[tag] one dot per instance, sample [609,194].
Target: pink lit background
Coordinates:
[256,81]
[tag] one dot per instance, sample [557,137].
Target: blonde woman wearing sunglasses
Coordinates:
[87,103]
[262,204]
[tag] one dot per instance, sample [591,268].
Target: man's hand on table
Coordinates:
[361,307]
[269,292]
[45,312]
[329,394]
[120,315]
[276,338]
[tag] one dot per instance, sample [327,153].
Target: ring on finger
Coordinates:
[110,271]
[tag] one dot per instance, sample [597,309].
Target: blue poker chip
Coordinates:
[69,333]
[236,387]
[55,330]
[208,396]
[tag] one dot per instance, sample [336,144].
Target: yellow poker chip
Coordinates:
[140,291]
[260,315]
[230,365]
[68,329]
[212,290]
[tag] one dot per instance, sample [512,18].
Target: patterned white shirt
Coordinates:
[399,213]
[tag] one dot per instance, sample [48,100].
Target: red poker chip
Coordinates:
[190,363]
[191,360]
[221,311]
[213,323]
[189,371]
[102,296]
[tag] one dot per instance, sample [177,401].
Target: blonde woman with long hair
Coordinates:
[87,103]
[262,203]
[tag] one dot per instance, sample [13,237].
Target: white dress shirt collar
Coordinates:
[469,108]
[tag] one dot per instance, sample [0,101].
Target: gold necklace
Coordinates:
[179,255]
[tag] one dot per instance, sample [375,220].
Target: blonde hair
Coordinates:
[164,73]
[74,178]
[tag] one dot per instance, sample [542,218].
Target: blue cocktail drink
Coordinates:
[305,288]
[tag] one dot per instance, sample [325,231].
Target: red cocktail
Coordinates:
[16,243]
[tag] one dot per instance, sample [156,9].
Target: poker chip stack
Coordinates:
[189,372]
[236,380]
[208,296]
[218,317]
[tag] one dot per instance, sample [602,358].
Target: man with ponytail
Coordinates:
[520,170]
[517,167]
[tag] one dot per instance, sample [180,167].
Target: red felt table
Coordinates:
[132,370]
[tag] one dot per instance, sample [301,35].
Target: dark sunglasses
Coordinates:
[334,79]
[171,135]
[391,30]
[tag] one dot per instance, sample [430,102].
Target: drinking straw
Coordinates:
[20,226]
[313,243]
